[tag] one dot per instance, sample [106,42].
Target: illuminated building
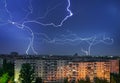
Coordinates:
[81,70]
[50,70]
[114,66]
[55,69]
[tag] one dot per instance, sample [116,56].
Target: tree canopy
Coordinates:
[26,73]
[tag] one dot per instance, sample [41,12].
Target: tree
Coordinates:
[1,72]
[112,79]
[6,72]
[104,81]
[87,80]
[4,78]
[11,80]
[81,81]
[100,80]
[115,77]
[8,67]
[26,73]
[66,80]
[38,80]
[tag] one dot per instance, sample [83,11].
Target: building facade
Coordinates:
[56,70]
[81,70]
[115,67]
[51,71]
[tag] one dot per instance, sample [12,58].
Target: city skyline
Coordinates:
[60,27]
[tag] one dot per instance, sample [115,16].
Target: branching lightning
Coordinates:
[50,24]
[72,39]
[24,21]
[95,40]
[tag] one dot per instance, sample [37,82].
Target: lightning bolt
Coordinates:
[97,40]
[74,39]
[22,25]
[51,24]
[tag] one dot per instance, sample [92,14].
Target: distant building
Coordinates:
[115,66]
[55,69]
[1,62]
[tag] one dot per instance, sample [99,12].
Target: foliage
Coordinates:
[4,78]
[38,80]
[115,78]
[66,80]
[1,72]
[87,80]
[26,73]
[96,80]
[100,80]
[8,67]
[6,72]
[112,79]
[11,80]
[81,81]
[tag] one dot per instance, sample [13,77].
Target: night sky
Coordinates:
[91,18]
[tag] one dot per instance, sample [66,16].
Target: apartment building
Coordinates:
[115,67]
[50,70]
[81,70]
[54,70]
